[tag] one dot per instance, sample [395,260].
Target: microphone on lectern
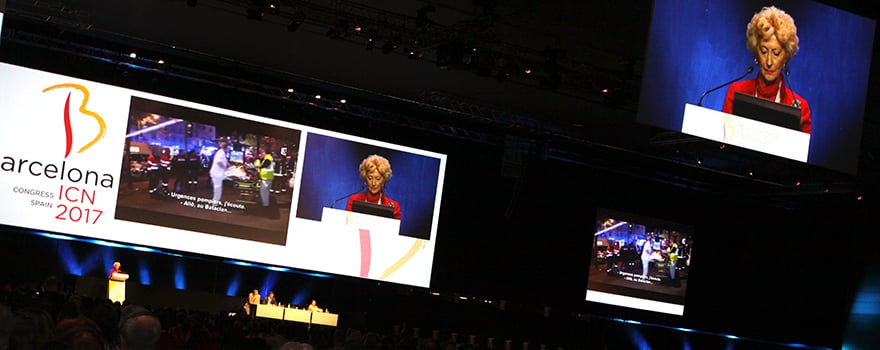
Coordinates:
[748,71]
[348,195]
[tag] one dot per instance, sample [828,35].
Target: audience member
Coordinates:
[139,329]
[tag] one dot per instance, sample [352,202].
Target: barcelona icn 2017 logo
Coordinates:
[64,171]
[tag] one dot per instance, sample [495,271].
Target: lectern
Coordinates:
[116,287]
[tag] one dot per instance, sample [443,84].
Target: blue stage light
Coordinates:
[144,274]
[105,243]
[179,279]
[232,290]
[69,258]
[314,274]
[269,283]
[56,236]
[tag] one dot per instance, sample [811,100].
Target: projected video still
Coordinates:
[639,262]
[205,172]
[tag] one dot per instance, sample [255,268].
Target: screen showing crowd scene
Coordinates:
[761,77]
[98,161]
[639,262]
[207,172]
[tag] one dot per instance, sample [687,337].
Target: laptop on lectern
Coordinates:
[766,111]
[372,209]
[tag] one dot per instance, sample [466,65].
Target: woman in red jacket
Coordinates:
[772,37]
[375,170]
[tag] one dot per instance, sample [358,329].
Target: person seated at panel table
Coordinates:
[375,170]
[314,307]
[270,299]
[772,38]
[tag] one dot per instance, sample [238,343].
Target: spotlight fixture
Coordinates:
[414,54]
[274,6]
[371,39]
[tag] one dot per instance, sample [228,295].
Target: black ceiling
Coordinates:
[469,83]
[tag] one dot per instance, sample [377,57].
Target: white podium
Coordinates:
[368,232]
[747,133]
[376,224]
[116,287]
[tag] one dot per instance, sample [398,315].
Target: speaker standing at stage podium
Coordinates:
[772,38]
[116,285]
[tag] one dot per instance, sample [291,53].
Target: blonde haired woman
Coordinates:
[772,38]
[375,170]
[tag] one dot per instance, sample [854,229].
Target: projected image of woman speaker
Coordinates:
[375,171]
[772,38]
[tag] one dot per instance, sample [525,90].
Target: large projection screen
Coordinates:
[695,46]
[640,262]
[93,160]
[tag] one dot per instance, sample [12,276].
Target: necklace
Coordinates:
[778,91]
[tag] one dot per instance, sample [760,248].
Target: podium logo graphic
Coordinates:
[728,128]
[68,129]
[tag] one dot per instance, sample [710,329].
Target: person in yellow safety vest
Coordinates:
[672,251]
[266,167]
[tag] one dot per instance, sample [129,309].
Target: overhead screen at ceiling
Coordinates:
[640,262]
[694,47]
[75,158]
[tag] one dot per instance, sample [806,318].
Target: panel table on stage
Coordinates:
[270,311]
[298,315]
[325,319]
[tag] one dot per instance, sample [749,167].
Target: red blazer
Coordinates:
[787,98]
[385,201]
